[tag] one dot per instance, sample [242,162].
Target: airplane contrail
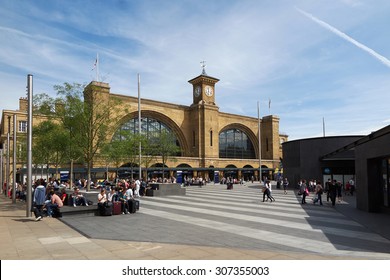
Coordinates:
[381,58]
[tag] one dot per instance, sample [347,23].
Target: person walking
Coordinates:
[319,191]
[304,191]
[339,189]
[327,187]
[352,186]
[39,200]
[285,185]
[136,191]
[333,192]
[267,191]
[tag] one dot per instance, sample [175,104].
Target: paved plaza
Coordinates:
[207,223]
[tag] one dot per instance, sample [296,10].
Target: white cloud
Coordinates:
[257,49]
[334,30]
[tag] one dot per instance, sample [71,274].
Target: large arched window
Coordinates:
[150,127]
[233,143]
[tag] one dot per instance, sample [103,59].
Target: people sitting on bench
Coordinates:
[78,198]
[54,205]
[102,197]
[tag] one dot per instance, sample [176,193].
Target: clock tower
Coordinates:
[203,88]
[204,125]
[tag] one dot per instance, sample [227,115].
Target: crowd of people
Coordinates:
[47,199]
[125,192]
[333,189]
[49,196]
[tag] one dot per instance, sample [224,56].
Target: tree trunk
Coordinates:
[89,177]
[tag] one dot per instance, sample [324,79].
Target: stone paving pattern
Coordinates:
[207,223]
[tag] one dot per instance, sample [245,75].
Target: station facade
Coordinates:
[212,143]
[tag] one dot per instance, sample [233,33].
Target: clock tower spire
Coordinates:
[203,87]
[203,63]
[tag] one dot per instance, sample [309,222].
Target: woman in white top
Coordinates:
[102,197]
[112,195]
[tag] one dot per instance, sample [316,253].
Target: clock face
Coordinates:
[197,91]
[209,91]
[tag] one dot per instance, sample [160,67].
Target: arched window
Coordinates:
[233,143]
[150,127]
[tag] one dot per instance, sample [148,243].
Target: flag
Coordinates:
[94,65]
[269,103]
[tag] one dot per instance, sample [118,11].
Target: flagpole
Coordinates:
[139,127]
[97,67]
[259,136]
[323,126]
[269,106]
[14,163]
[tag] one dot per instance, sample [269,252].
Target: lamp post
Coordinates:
[29,145]
[71,159]
[139,128]
[259,136]
[1,169]
[14,164]
[7,167]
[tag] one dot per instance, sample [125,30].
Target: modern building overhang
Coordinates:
[348,152]
[340,155]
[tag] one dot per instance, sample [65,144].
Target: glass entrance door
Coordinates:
[385,181]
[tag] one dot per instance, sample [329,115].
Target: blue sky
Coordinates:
[312,59]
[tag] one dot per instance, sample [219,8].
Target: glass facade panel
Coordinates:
[234,143]
[150,127]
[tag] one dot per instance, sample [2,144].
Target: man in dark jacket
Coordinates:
[39,200]
[332,192]
[327,184]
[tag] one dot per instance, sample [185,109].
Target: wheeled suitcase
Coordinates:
[132,207]
[70,199]
[105,210]
[56,213]
[116,208]
[136,204]
[149,192]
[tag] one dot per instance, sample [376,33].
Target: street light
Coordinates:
[259,136]
[29,145]
[7,167]
[1,166]
[14,164]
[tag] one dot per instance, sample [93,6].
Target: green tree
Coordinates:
[49,141]
[132,144]
[88,116]
[149,153]
[44,104]
[166,146]
[112,153]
